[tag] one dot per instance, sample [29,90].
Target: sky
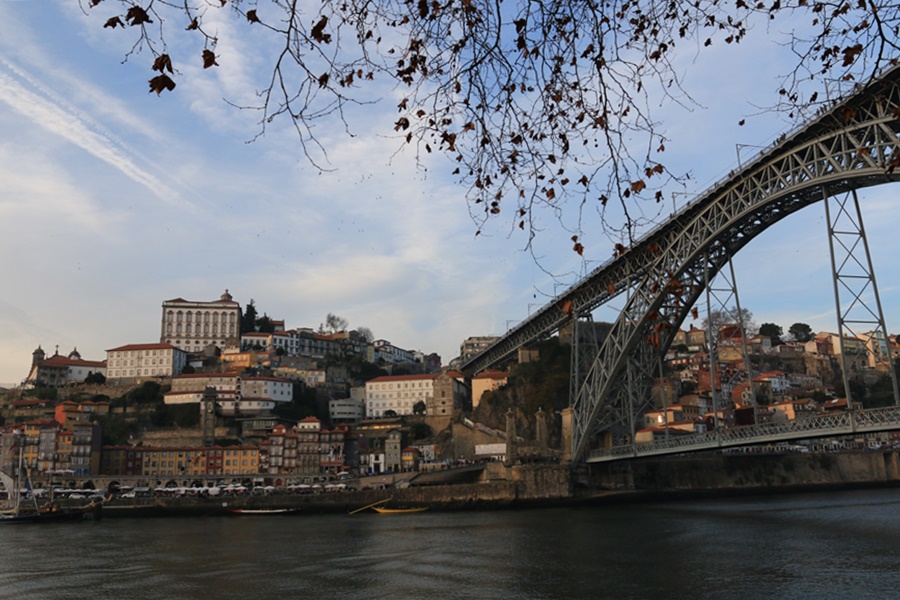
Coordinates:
[113,200]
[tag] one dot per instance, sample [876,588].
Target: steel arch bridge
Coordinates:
[853,145]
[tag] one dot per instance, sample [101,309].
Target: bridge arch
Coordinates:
[856,145]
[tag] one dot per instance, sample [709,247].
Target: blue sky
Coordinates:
[113,200]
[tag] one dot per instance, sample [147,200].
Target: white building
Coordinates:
[234,394]
[61,370]
[139,362]
[192,326]
[346,410]
[398,393]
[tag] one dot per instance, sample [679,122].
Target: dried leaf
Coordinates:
[163,63]
[209,59]
[137,16]
[318,31]
[251,16]
[113,22]
[160,83]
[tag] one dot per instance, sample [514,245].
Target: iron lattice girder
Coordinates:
[852,146]
[730,216]
[826,425]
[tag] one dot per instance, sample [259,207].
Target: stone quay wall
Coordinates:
[713,472]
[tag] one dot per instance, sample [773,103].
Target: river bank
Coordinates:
[553,485]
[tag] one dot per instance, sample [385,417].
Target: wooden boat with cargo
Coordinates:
[24,508]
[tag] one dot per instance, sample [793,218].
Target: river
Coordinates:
[825,545]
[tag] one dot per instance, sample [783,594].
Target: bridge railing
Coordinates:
[837,423]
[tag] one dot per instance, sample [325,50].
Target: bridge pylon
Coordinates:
[862,334]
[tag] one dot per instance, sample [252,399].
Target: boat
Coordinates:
[263,511]
[398,511]
[20,510]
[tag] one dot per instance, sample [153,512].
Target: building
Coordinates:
[401,393]
[70,412]
[388,356]
[135,363]
[397,393]
[346,410]
[235,394]
[59,370]
[487,381]
[473,346]
[191,326]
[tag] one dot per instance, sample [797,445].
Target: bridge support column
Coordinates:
[856,296]
[723,300]
[511,438]
[566,436]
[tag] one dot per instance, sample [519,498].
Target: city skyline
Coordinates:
[115,200]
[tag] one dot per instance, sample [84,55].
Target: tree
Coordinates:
[95,378]
[720,318]
[420,431]
[800,332]
[419,408]
[264,324]
[366,334]
[771,330]
[248,319]
[334,323]
[533,102]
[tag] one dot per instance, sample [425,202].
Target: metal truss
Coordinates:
[856,292]
[853,145]
[676,258]
[825,425]
[722,296]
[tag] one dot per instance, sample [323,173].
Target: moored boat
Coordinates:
[398,511]
[263,511]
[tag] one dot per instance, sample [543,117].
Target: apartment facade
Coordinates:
[191,326]
[135,363]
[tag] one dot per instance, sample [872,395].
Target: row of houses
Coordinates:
[49,449]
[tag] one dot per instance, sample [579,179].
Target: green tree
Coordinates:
[95,378]
[176,415]
[149,392]
[420,431]
[47,393]
[248,319]
[772,331]
[419,408]
[800,332]
[116,430]
[265,324]
[523,96]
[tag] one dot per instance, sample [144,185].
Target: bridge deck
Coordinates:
[842,423]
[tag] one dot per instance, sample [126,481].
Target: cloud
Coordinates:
[28,97]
